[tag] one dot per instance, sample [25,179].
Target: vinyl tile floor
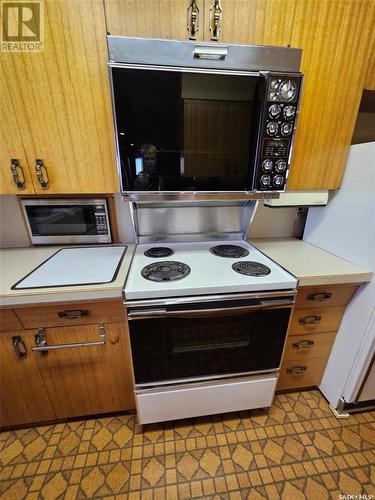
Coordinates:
[296,450]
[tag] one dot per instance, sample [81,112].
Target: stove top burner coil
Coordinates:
[167,270]
[159,252]
[250,268]
[232,251]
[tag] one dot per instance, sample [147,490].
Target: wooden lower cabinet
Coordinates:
[89,379]
[23,396]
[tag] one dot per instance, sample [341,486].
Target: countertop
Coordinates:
[310,264]
[15,263]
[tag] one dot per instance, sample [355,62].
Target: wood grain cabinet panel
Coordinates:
[79,313]
[297,373]
[89,379]
[325,296]
[62,102]
[309,346]
[310,320]
[336,40]
[9,321]
[23,397]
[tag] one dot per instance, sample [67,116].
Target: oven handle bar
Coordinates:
[196,313]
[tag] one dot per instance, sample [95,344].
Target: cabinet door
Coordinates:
[88,379]
[62,102]
[23,397]
[258,22]
[335,38]
[11,146]
[152,18]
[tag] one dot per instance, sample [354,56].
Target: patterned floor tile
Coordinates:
[295,450]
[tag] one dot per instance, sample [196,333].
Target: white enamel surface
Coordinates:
[209,274]
[76,266]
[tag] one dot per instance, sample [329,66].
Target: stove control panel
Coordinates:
[280,111]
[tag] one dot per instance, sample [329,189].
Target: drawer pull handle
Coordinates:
[193,20]
[17,174]
[303,344]
[215,21]
[19,346]
[41,173]
[296,370]
[309,320]
[41,344]
[73,313]
[319,297]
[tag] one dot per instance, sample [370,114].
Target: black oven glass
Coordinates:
[61,220]
[178,348]
[183,131]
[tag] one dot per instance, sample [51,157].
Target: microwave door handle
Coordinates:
[203,313]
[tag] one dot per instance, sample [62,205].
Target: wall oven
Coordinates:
[64,221]
[208,354]
[202,118]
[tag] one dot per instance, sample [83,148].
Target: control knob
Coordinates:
[280,166]
[274,111]
[286,129]
[267,165]
[289,112]
[278,180]
[272,128]
[265,180]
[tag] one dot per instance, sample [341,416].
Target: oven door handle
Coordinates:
[201,313]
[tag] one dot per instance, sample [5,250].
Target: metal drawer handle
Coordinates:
[296,370]
[41,173]
[16,170]
[319,297]
[303,344]
[309,320]
[42,345]
[73,313]
[215,19]
[193,20]
[19,346]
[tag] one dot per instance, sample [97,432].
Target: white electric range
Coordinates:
[207,323]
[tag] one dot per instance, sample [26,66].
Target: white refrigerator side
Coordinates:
[346,227]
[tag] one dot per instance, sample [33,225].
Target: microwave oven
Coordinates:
[67,221]
[202,118]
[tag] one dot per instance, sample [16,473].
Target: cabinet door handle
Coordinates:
[216,13]
[296,370]
[41,173]
[193,20]
[303,344]
[19,346]
[17,173]
[309,320]
[73,313]
[319,297]
[41,343]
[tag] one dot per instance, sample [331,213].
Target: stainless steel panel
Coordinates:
[148,51]
[197,196]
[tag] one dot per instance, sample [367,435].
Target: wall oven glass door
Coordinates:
[199,344]
[185,131]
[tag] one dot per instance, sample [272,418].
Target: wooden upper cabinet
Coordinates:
[257,22]
[335,38]
[11,146]
[62,102]
[152,18]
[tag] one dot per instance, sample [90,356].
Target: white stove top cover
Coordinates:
[209,274]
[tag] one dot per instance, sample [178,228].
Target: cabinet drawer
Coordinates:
[309,346]
[9,321]
[321,296]
[309,320]
[71,314]
[301,373]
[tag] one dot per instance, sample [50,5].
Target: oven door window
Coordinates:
[182,131]
[179,348]
[61,220]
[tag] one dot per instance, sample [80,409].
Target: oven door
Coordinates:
[183,342]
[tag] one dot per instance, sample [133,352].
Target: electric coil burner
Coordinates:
[165,271]
[159,252]
[250,268]
[232,251]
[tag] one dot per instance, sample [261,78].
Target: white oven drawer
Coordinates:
[158,405]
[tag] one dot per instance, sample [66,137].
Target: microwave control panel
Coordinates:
[280,111]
